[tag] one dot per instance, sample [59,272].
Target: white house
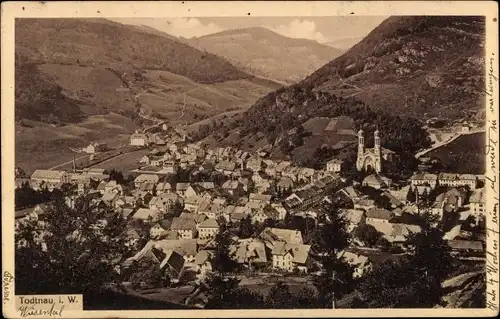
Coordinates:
[208,228]
[334,165]
[139,139]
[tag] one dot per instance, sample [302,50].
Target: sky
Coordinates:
[321,29]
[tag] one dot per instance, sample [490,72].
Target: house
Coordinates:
[334,165]
[185,227]
[466,246]
[50,178]
[139,139]
[362,265]
[419,179]
[185,247]
[208,229]
[454,180]
[305,174]
[396,233]
[354,217]
[254,164]
[225,167]
[378,215]
[272,235]
[109,198]
[259,198]
[449,201]
[259,215]
[132,237]
[282,166]
[364,204]
[160,229]
[203,263]
[147,215]
[232,187]
[113,187]
[194,190]
[377,181]
[280,209]
[193,203]
[164,202]
[477,202]
[146,178]
[205,207]
[289,257]
[284,184]
[95,148]
[250,252]
[181,188]
[163,187]
[169,167]
[350,193]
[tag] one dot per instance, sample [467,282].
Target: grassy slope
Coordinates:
[393,66]
[463,155]
[72,71]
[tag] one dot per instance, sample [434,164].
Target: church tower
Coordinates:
[361,150]
[376,151]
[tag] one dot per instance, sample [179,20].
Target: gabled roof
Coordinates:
[466,245]
[280,234]
[203,256]
[379,213]
[208,223]
[299,252]
[179,223]
[144,213]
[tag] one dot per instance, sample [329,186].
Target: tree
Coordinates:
[415,281]
[117,176]
[367,234]
[75,250]
[222,260]
[246,228]
[411,196]
[225,293]
[330,239]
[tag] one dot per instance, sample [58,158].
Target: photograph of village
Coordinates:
[251,162]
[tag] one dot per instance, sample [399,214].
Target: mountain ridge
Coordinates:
[263,52]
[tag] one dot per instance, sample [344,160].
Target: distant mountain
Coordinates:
[263,52]
[344,44]
[406,69]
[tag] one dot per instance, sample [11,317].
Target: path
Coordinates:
[448,141]
[68,162]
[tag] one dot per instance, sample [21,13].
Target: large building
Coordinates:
[371,158]
[49,178]
[139,139]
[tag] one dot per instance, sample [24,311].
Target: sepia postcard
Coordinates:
[195,159]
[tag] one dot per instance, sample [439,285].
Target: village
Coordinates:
[181,194]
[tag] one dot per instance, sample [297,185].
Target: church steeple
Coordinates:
[377,140]
[361,141]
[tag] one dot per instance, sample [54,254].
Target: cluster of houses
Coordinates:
[183,218]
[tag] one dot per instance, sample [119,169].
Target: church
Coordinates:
[371,158]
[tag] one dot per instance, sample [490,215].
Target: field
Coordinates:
[167,93]
[463,155]
[125,162]
[42,146]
